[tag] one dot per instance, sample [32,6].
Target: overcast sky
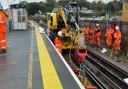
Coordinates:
[5,4]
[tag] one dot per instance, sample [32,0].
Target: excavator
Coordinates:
[64,18]
[58,21]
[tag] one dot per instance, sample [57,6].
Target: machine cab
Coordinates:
[52,21]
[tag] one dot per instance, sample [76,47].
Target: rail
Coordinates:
[105,74]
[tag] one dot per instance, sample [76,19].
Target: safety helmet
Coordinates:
[97,24]
[117,28]
[59,33]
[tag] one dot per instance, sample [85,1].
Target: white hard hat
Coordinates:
[117,28]
[59,33]
[97,25]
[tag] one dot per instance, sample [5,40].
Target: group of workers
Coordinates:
[112,36]
[3,44]
[93,35]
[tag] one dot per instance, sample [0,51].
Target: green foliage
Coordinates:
[99,6]
[110,7]
[34,8]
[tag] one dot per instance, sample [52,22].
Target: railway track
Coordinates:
[104,74]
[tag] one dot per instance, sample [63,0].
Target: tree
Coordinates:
[100,6]
[34,8]
[93,5]
[111,8]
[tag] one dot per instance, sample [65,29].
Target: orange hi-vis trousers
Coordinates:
[2,31]
[3,44]
[92,39]
[98,39]
[117,43]
[109,40]
[116,46]
[86,36]
[3,40]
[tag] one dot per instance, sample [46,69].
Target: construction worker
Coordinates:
[86,32]
[81,39]
[3,45]
[97,34]
[117,41]
[58,43]
[92,36]
[109,33]
[113,26]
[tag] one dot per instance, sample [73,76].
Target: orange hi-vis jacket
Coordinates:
[117,36]
[2,30]
[2,22]
[97,32]
[86,33]
[109,33]
[92,37]
[58,44]
[97,35]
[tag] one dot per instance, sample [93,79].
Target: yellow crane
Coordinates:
[56,22]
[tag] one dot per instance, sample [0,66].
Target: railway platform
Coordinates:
[32,62]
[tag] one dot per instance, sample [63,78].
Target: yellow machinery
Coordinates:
[125,10]
[52,21]
[56,22]
[65,20]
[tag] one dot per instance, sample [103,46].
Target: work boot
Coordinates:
[3,50]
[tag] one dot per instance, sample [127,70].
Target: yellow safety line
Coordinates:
[49,75]
[29,85]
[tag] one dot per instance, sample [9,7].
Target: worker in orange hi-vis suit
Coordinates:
[108,35]
[92,36]
[86,33]
[117,41]
[3,45]
[97,34]
[58,43]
